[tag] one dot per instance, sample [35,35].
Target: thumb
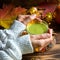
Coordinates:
[33,16]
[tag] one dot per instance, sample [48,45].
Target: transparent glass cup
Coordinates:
[35,27]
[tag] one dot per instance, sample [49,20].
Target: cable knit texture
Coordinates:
[11,45]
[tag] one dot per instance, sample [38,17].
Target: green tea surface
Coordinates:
[37,28]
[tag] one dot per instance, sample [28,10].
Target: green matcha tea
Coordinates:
[37,28]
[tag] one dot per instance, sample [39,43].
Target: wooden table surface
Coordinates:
[53,54]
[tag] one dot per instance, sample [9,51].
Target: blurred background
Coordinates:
[10,9]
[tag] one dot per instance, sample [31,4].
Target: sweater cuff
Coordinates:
[17,27]
[25,44]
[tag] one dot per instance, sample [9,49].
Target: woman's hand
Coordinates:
[42,40]
[26,18]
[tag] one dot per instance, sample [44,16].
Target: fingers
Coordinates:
[42,43]
[33,16]
[41,36]
[44,36]
[38,19]
[22,17]
[51,44]
[27,16]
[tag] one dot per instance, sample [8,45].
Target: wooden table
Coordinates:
[53,54]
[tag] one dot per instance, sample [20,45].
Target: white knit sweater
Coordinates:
[12,46]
